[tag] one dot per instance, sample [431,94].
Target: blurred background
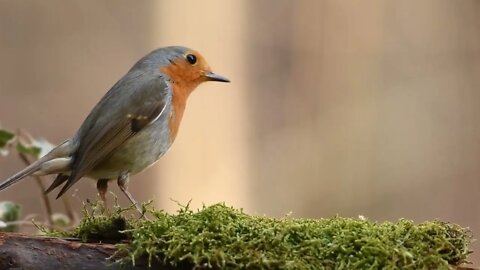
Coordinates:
[335,107]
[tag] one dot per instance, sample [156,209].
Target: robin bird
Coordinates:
[131,127]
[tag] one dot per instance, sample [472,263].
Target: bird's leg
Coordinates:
[122,182]
[102,187]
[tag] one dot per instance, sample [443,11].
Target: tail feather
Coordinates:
[42,166]
[60,179]
[32,168]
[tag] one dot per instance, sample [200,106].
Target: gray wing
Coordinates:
[124,111]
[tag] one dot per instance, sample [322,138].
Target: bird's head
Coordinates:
[185,67]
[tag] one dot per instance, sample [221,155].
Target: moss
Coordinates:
[221,237]
[99,225]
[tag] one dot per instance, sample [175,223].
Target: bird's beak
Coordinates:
[215,77]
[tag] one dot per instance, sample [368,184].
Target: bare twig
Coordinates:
[29,223]
[69,210]
[45,199]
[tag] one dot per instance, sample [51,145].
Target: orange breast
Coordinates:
[179,101]
[181,88]
[184,79]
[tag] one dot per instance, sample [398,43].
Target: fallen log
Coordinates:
[18,251]
[221,237]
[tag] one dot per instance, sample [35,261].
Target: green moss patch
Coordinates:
[221,237]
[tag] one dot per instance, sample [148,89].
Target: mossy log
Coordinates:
[18,251]
[220,237]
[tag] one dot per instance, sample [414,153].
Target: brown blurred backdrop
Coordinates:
[351,107]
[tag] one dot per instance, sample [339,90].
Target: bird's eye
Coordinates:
[192,59]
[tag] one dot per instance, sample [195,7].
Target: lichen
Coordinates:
[221,237]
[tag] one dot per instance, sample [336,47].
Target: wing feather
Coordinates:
[122,113]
